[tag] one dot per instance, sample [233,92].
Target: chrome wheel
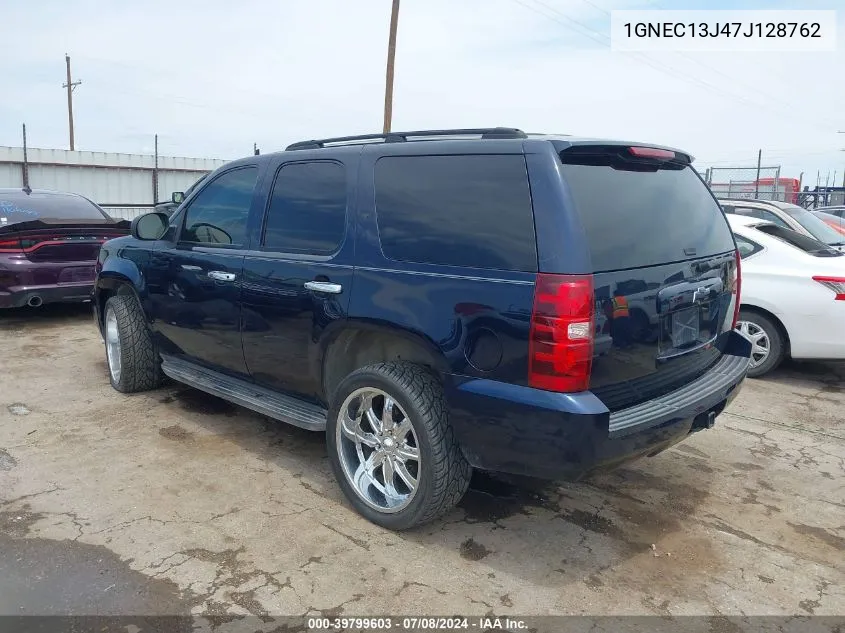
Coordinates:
[760,343]
[378,449]
[113,345]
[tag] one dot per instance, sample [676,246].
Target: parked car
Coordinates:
[48,246]
[793,295]
[787,215]
[838,223]
[427,300]
[837,210]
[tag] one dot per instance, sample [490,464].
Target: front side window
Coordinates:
[307,211]
[219,213]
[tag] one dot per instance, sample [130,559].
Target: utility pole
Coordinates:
[391,56]
[25,170]
[155,172]
[757,181]
[71,86]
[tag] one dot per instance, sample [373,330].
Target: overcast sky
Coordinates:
[213,76]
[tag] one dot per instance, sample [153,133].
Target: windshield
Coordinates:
[820,229]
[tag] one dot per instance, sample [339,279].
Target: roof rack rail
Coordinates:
[399,137]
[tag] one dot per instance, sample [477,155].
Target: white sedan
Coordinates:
[793,295]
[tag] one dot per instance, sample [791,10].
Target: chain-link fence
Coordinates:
[766,183]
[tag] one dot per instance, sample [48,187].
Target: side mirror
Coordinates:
[150,226]
[177,197]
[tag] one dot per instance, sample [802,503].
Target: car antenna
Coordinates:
[27,189]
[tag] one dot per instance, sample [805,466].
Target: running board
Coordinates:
[274,405]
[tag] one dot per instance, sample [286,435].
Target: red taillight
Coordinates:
[651,152]
[837,284]
[737,288]
[560,348]
[10,246]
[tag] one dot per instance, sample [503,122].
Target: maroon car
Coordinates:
[49,243]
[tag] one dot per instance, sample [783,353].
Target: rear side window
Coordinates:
[746,247]
[17,207]
[643,213]
[218,214]
[470,211]
[761,214]
[307,209]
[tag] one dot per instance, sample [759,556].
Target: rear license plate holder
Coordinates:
[686,327]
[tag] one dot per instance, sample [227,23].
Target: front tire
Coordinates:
[391,447]
[134,365]
[767,343]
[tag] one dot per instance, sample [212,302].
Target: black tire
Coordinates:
[777,346]
[444,474]
[140,364]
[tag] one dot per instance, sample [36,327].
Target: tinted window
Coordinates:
[17,206]
[472,211]
[218,214]
[307,209]
[636,215]
[746,247]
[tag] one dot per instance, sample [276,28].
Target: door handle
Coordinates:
[219,275]
[191,267]
[324,286]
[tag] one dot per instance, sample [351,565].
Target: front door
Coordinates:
[195,280]
[297,283]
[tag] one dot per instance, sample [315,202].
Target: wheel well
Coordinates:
[115,287]
[773,319]
[357,348]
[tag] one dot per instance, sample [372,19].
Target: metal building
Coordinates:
[125,185]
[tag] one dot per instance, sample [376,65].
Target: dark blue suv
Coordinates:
[440,301]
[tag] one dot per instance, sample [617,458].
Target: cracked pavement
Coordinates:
[174,502]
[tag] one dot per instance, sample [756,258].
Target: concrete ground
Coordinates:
[174,502]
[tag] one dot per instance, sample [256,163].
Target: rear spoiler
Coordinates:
[52,225]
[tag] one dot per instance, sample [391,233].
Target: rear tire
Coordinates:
[133,362]
[768,345]
[425,453]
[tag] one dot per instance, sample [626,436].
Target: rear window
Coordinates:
[820,229]
[643,213]
[19,207]
[470,211]
[793,238]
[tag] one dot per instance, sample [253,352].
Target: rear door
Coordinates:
[298,279]
[663,259]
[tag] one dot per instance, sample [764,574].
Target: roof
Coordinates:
[744,220]
[473,135]
[772,203]
[16,191]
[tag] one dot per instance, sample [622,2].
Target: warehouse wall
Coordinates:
[120,183]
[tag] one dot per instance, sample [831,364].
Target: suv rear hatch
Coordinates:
[663,254]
